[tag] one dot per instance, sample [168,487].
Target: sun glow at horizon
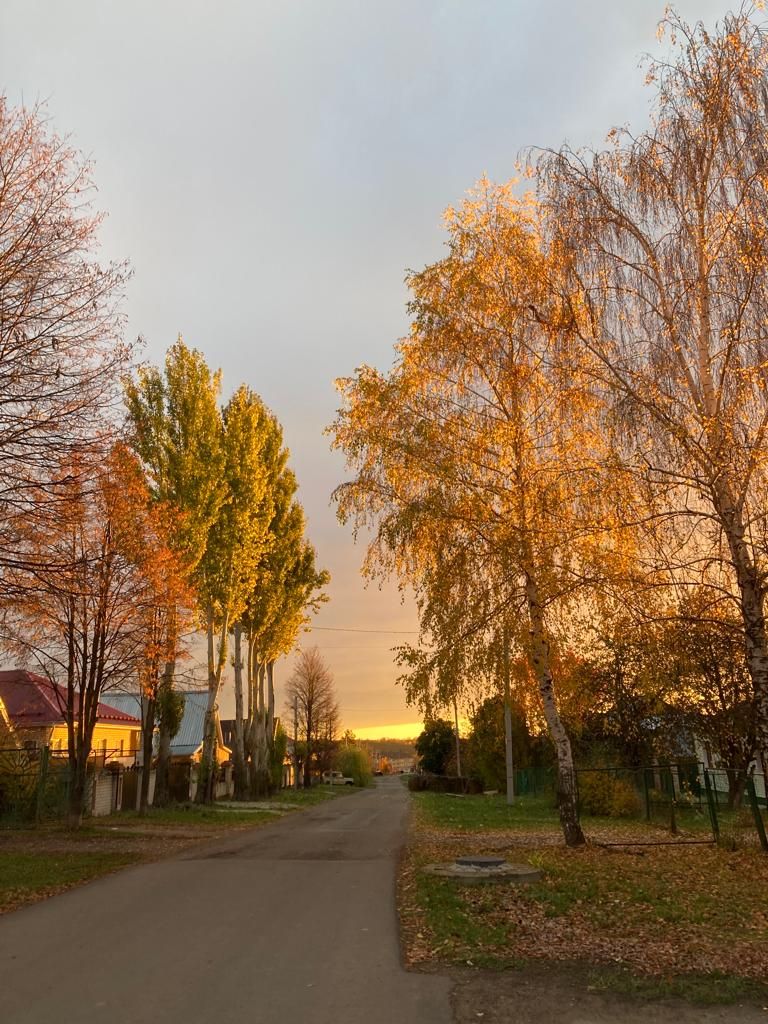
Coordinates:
[402,731]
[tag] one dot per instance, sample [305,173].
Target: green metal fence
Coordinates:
[685,799]
[34,786]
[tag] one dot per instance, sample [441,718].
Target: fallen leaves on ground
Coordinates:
[658,910]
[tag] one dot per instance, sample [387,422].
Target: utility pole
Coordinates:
[295,742]
[508,723]
[458,742]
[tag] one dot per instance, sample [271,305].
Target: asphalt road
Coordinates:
[292,923]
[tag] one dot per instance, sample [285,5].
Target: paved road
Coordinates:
[293,923]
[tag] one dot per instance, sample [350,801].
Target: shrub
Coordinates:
[418,783]
[595,792]
[355,763]
[625,802]
[425,782]
[601,794]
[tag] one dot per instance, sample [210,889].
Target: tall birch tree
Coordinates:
[665,235]
[487,437]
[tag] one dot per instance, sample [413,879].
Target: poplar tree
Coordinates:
[287,587]
[236,542]
[176,429]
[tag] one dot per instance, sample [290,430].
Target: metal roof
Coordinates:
[32,700]
[189,738]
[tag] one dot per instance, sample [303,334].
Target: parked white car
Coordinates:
[337,779]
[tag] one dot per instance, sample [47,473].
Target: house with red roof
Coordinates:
[36,710]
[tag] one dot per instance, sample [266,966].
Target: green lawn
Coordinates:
[24,876]
[651,920]
[188,815]
[478,813]
[315,795]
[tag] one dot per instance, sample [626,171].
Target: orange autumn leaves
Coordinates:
[108,576]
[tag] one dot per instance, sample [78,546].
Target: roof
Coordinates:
[34,701]
[189,738]
[128,703]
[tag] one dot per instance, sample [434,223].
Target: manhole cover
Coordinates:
[480,862]
[477,870]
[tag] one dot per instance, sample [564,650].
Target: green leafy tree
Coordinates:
[354,762]
[486,742]
[236,542]
[175,428]
[288,586]
[435,745]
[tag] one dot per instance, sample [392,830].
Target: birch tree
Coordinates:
[487,437]
[665,234]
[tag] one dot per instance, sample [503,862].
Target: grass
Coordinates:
[480,813]
[714,989]
[40,861]
[315,795]
[218,815]
[28,876]
[188,815]
[686,920]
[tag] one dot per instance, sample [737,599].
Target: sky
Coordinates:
[272,169]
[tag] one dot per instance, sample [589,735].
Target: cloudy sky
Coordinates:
[271,169]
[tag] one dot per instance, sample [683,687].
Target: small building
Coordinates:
[187,744]
[36,710]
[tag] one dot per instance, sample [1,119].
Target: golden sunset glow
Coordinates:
[401,731]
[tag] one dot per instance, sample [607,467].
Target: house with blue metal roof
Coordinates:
[187,744]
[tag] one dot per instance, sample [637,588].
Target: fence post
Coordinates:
[712,807]
[647,794]
[673,817]
[756,812]
[41,780]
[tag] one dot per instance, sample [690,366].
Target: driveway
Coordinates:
[292,923]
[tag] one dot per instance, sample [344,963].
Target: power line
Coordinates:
[350,629]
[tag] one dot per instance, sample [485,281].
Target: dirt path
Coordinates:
[559,995]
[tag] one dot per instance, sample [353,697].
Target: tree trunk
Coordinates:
[458,741]
[567,795]
[208,764]
[240,775]
[147,736]
[260,779]
[737,780]
[162,795]
[78,764]
[77,790]
[270,719]
[308,753]
[752,606]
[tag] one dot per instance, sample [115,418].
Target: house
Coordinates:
[35,708]
[8,738]
[187,744]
